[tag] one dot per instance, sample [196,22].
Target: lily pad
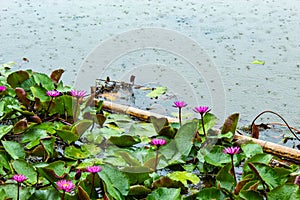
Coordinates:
[125,140]
[165,193]
[14,149]
[157,92]
[27,169]
[258,62]
[184,177]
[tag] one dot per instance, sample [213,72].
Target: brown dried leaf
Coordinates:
[56,75]
[255,131]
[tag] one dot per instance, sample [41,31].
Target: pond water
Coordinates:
[230,35]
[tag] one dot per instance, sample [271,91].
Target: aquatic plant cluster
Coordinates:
[59,143]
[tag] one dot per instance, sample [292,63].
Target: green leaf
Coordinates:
[117,183]
[230,124]
[16,78]
[157,92]
[258,62]
[139,191]
[142,129]
[269,175]
[75,153]
[10,191]
[129,158]
[183,177]
[82,194]
[164,193]
[81,126]
[258,158]
[209,122]
[44,80]
[4,129]
[62,105]
[211,193]
[2,194]
[20,126]
[251,149]
[166,182]
[28,83]
[158,123]
[125,140]
[22,167]
[45,194]
[216,156]
[14,149]
[67,136]
[225,178]
[40,93]
[251,195]
[48,145]
[136,174]
[3,163]
[285,192]
[33,137]
[185,137]
[58,167]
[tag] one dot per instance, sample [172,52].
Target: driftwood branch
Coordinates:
[280,151]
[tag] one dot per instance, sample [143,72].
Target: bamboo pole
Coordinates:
[280,151]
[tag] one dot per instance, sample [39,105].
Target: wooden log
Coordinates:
[280,151]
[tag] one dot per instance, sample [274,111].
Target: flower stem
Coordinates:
[92,187]
[179,115]
[76,108]
[232,168]
[63,195]
[46,113]
[18,195]
[156,160]
[202,121]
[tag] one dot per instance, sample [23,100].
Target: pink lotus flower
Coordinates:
[19,178]
[65,185]
[158,142]
[2,88]
[231,150]
[78,93]
[201,109]
[53,93]
[179,104]
[93,169]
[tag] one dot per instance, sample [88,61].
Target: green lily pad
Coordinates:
[157,92]
[23,167]
[4,129]
[125,140]
[211,193]
[165,193]
[258,62]
[184,177]
[14,149]
[117,183]
[15,79]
